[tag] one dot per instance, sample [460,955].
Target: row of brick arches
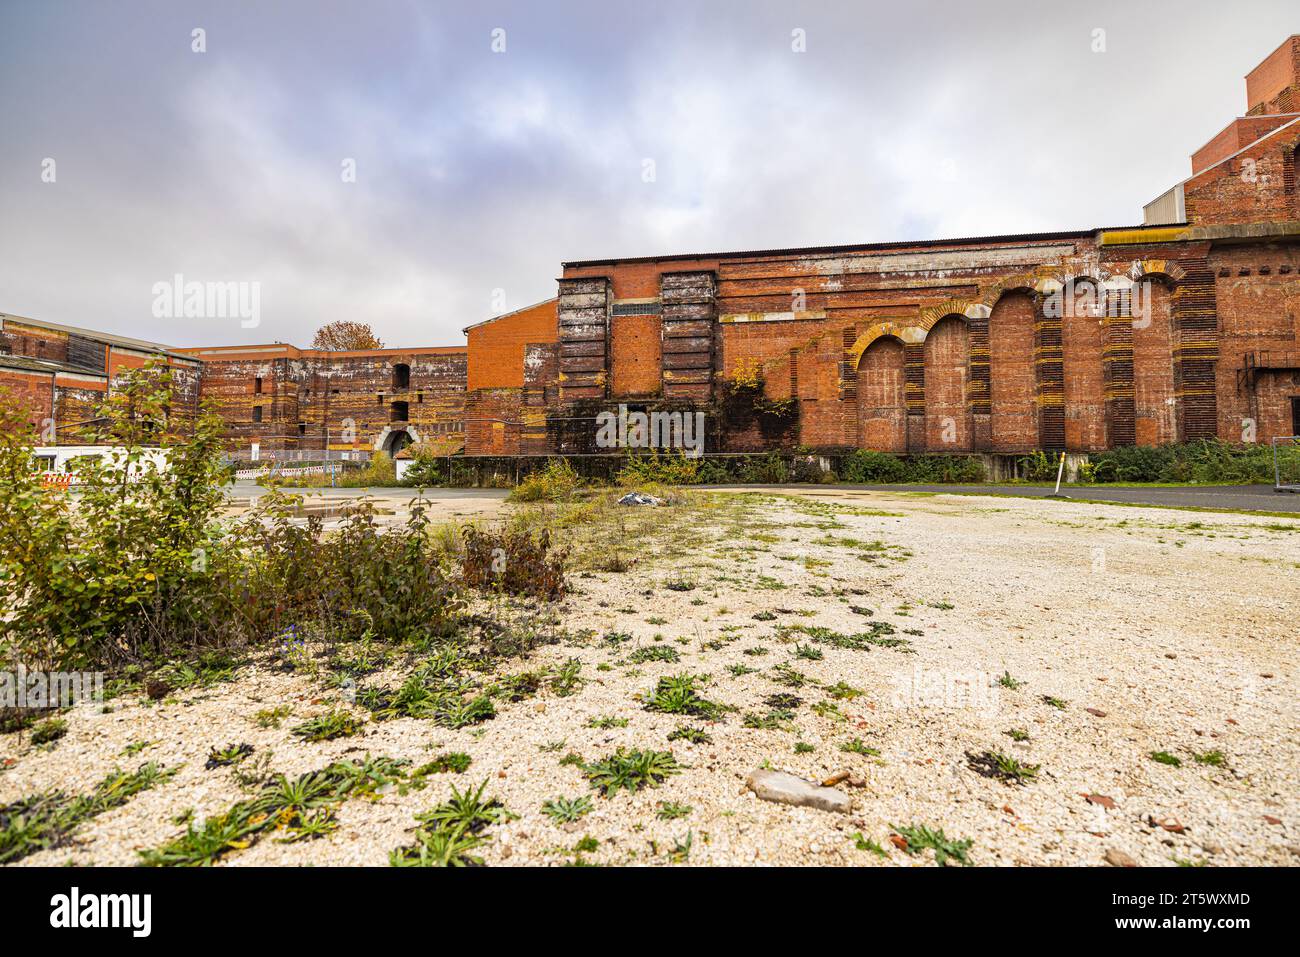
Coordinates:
[982,385]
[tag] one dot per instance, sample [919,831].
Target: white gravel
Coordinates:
[1178,626]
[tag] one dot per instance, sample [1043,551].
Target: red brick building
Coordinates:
[63,374]
[1182,328]
[282,397]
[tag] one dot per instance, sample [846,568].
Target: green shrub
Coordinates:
[1209,461]
[557,482]
[143,568]
[130,566]
[881,468]
[668,468]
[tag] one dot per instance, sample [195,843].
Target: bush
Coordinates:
[127,568]
[138,566]
[1209,461]
[425,471]
[872,468]
[515,562]
[557,482]
[669,468]
[881,468]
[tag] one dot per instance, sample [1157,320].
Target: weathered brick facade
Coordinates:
[281,397]
[63,374]
[1180,329]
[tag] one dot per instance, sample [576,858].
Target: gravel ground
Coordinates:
[1152,630]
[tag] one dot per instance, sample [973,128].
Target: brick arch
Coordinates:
[1034,283]
[882,395]
[903,330]
[949,425]
[1152,268]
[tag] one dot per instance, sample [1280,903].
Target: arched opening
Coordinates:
[396,441]
[1084,386]
[401,377]
[1013,389]
[947,376]
[882,402]
[1155,406]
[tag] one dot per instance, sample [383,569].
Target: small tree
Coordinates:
[126,563]
[342,336]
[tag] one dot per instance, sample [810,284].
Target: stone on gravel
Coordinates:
[786,788]
[1117,858]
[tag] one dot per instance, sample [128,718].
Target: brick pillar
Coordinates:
[687,309]
[583,334]
[1049,366]
[914,394]
[1117,375]
[1196,351]
[977,387]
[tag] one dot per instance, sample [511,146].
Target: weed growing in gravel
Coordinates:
[808,652]
[327,727]
[740,671]
[918,837]
[230,754]
[631,770]
[867,844]
[783,701]
[693,735]
[772,721]
[605,723]
[877,635]
[1058,703]
[564,810]
[272,717]
[857,746]
[1214,759]
[445,836]
[49,819]
[454,762]
[844,692]
[1164,757]
[677,695]
[49,731]
[671,810]
[1007,681]
[299,809]
[654,653]
[803,747]
[785,675]
[993,764]
[1017,734]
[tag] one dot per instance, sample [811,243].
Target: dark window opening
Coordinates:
[257,413]
[302,428]
[398,412]
[379,398]
[419,397]
[1295,415]
[257,385]
[401,376]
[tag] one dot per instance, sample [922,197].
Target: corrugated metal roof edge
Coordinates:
[855,247]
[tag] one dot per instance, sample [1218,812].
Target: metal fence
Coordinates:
[301,455]
[1286,463]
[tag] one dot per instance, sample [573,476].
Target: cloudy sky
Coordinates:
[493,141]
